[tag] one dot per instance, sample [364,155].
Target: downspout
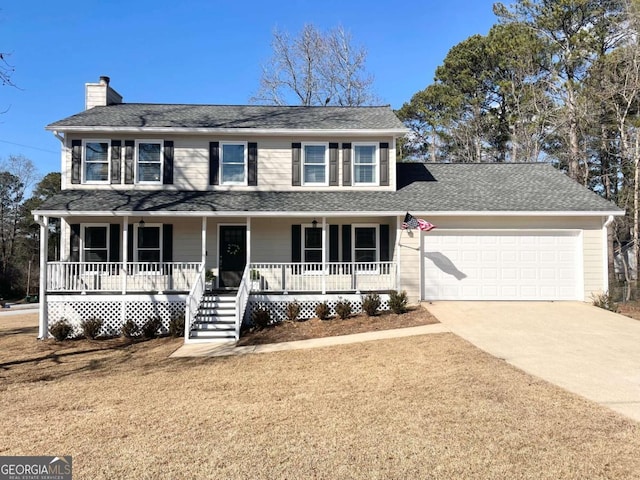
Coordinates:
[43,320]
[605,253]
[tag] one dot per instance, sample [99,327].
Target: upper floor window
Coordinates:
[315,164]
[365,163]
[149,161]
[96,161]
[234,164]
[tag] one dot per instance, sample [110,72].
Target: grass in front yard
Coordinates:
[424,407]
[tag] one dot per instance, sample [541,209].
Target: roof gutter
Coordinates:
[232,131]
[246,213]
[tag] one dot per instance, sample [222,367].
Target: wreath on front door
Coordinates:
[233,249]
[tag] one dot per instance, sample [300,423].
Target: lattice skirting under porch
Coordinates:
[114,310]
[277,304]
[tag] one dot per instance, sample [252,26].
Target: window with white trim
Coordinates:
[315,164]
[365,243]
[233,163]
[148,243]
[95,243]
[311,244]
[95,161]
[365,164]
[148,161]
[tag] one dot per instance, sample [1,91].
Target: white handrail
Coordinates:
[242,298]
[193,301]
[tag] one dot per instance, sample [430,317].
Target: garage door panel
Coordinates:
[501,265]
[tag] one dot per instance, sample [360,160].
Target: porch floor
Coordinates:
[227,349]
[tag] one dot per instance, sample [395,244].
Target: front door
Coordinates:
[233,255]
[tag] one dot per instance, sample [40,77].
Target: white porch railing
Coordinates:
[323,278]
[193,301]
[113,277]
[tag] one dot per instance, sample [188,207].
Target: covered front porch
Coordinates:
[183,257]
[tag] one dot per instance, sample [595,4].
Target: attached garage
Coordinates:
[502,265]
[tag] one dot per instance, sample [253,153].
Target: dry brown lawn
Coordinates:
[430,407]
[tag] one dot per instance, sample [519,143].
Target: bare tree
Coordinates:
[6,70]
[315,68]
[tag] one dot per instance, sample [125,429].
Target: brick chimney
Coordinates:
[100,94]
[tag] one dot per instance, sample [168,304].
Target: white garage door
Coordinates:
[500,265]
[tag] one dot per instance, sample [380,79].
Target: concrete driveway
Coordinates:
[579,347]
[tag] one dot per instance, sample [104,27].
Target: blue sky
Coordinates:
[200,52]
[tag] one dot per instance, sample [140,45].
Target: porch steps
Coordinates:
[216,317]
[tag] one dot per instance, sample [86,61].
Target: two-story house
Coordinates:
[211,210]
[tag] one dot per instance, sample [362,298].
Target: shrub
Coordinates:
[61,330]
[293,310]
[398,301]
[322,311]
[130,329]
[176,326]
[371,304]
[605,300]
[343,309]
[151,327]
[261,318]
[91,327]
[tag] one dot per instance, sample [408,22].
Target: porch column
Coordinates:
[248,240]
[43,330]
[203,257]
[325,247]
[125,252]
[396,253]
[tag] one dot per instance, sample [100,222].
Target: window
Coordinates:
[96,161]
[148,243]
[365,164]
[95,245]
[315,164]
[365,244]
[149,161]
[233,164]
[312,244]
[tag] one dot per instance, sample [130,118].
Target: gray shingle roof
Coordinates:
[141,115]
[421,188]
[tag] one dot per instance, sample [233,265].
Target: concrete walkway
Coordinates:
[584,349]
[229,348]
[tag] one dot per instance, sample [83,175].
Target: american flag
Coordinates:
[411,222]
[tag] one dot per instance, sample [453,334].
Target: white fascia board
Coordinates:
[244,213]
[234,131]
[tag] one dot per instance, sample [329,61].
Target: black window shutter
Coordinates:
[346,243]
[114,242]
[167,242]
[116,158]
[129,174]
[334,239]
[167,174]
[295,164]
[74,243]
[214,162]
[384,242]
[296,243]
[346,164]
[130,246]
[76,160]
[252,168]
[333,164]
[384,163]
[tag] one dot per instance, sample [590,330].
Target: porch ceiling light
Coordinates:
[314,223]
[141,223]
